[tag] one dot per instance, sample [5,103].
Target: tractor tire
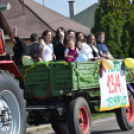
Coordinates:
[79,117]
[13,115]
[60,127]
[125,115]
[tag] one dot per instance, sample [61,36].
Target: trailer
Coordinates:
[62,91]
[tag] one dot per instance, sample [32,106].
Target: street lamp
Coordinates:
[5,6]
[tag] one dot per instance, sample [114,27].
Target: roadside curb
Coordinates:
[49,125]
[38,128]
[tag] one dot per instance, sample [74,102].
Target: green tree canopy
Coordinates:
[113,34]
[115,18]
[128,38]
[121,10]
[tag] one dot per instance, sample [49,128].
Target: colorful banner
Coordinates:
[113,88]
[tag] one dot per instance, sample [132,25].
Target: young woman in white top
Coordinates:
[46,47]
[90,49]
[92,44]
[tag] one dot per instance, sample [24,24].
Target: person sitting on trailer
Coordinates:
[79,36]
[103,49]
[71,51]
[91,41]
[80,39]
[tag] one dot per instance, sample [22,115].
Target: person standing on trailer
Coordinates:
[19,48]
[59,43]
[46,47]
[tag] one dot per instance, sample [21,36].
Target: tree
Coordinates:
[128,38]
[118,32]
[113,34]
[121,10]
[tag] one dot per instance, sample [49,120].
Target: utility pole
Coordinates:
[24,6]
[43,3]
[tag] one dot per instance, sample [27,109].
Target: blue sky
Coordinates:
[62,6]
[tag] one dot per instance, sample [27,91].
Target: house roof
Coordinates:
[36,18]
[86,17]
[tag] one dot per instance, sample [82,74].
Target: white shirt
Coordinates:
[48,52]
[87,50]
[34,42]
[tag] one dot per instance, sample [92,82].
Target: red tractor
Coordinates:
[12,103]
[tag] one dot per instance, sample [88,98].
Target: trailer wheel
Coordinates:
[13,114]
[79,117]
[60,127]
[125,116]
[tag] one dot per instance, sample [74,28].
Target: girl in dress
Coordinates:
[71,52]
[46,47]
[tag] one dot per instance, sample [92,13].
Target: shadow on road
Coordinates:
[107,131]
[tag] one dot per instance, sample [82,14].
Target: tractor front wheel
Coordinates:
[13,116]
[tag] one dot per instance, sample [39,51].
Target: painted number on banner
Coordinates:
[113,83]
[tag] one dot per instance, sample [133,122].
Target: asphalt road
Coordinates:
[108,126]
[104,126]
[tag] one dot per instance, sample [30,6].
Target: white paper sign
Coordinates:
[113,88]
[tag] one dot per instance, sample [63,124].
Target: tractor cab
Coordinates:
[2,43]
[6,62]
[3,54]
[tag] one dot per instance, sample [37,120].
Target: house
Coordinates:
[86,17]
[31,17]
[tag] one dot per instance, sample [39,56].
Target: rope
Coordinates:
[87,79]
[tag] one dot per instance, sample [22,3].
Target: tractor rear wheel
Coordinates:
[13,116]
[79,117]
[125,115]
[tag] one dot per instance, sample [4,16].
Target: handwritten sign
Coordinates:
[113,88]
